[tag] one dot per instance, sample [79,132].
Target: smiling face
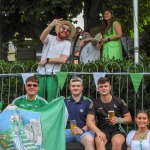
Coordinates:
[64,32]
[108,15]
[104,89]
[31,88]
[142,120]
[76,88]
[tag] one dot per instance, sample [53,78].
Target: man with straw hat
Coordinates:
[55,52]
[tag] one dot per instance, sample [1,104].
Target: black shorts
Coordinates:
[111,131]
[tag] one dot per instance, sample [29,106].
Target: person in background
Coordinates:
[75,48]
[55,52]
[112,33]
[30,101]
[90,48]
[76,37]
[77,106]
[108,129]
[140,139]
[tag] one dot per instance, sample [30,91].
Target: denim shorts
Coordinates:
[77,138]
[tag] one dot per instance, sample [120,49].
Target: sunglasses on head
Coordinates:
[66,29]
[30,85]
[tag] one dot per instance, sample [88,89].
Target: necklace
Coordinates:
[141,137]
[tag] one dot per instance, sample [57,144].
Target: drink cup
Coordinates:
[111,114]
[72,126]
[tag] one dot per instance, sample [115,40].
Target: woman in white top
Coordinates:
[140,139]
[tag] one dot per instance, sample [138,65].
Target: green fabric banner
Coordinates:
[53,125]
[136,79]
[61,78]
[43,129]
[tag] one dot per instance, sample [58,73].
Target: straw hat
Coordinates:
[73,30]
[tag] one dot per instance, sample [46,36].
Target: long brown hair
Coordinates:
[105,25]
[142,111]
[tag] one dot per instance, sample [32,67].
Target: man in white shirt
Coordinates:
[90,48]
[55,52]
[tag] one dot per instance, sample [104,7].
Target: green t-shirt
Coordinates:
[23,102]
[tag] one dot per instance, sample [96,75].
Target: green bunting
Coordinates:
[1,105]
[136,79]
[61,78]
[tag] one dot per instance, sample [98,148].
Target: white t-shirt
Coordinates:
[135,144]
[53,49]
[89,53]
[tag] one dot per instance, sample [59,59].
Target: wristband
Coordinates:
[47,60]
[120,120]
[83,130]
[108,39]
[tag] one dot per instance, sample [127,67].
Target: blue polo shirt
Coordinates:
[77,110]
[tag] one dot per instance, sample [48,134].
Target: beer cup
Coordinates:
[111,114]
[72,126]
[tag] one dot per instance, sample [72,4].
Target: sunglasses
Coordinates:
[30,85]
[85,35]
[66,29]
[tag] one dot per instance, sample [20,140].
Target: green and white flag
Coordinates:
[34,130]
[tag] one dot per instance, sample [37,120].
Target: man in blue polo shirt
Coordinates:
[77,106]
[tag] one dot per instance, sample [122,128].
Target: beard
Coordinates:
[61,36]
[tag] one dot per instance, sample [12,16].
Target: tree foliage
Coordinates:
[124,13]
[30,17]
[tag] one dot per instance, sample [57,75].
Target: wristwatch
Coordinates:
[47,60]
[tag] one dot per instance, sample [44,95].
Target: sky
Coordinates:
[80,21]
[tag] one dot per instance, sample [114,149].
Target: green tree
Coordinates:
[30,17]
[93,10]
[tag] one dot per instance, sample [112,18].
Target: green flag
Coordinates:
[53,121]
[1,105]
[61,78]
[34,130]
[136,79]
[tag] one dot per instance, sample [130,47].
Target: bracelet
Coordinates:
[47,60]
[108,39]
[83,130]
[120,120]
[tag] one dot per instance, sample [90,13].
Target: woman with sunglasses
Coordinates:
[112,33]
[30,101]
[140,139]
